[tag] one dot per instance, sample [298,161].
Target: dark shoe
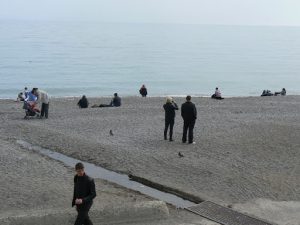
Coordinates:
[171,139]
[192,142]
[183,142]
[166,138]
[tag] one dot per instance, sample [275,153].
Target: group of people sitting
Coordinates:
[115,102]
[269,93]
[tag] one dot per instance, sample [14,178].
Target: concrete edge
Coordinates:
[170,190]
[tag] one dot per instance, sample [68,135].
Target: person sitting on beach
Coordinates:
[282,92]
[143,91]
[267,93]
[217,94]
[83,102]
[22,95]
[115,102]
[169,108]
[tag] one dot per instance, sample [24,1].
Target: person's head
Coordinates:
[25,88]
[83,96]
[188,98]
[35,91]
[169,99]
[217,88]
[283,89]
[143,86]
[79,168]
[115,94]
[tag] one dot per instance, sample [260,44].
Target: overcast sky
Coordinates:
[235,12]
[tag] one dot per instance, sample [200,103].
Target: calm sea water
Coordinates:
[97,59]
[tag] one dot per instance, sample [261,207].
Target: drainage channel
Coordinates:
[104,174]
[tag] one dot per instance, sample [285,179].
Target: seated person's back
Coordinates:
[83,102]
[116,101]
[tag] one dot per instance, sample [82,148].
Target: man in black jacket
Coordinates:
[169,108]
[83,102]
[84,193]
[189,115]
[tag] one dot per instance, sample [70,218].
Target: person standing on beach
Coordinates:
[44,99]
[143,91]
[189,115]
[84,193]
[169,108]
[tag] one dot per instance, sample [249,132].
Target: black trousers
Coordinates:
[44,110]
[83,216]
[188,126]
[169,123]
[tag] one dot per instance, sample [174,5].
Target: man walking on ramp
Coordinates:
[84,193]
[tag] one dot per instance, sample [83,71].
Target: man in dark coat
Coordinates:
[143,91]
[169,108]
[84,193]
[83,102]
[189,115]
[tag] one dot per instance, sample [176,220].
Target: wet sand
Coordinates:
[246,148]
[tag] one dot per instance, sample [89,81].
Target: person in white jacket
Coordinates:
[44,99]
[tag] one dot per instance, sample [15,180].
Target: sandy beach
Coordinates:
[246,149]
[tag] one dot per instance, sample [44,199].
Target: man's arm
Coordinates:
[195,112]
[73,200]
[92,194]
[175,106]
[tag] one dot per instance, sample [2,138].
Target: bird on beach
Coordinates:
[180,154]
[111,133]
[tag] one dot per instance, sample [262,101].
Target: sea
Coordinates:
[99,59]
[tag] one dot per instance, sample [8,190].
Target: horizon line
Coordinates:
[145,22]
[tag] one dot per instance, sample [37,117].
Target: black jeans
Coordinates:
[188,125]
[44,110]
[83,216]
[169,122]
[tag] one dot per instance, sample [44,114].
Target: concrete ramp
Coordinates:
[131,213]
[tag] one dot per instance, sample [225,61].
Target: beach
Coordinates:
[247,149]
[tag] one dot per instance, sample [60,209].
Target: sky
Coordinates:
[228,12]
